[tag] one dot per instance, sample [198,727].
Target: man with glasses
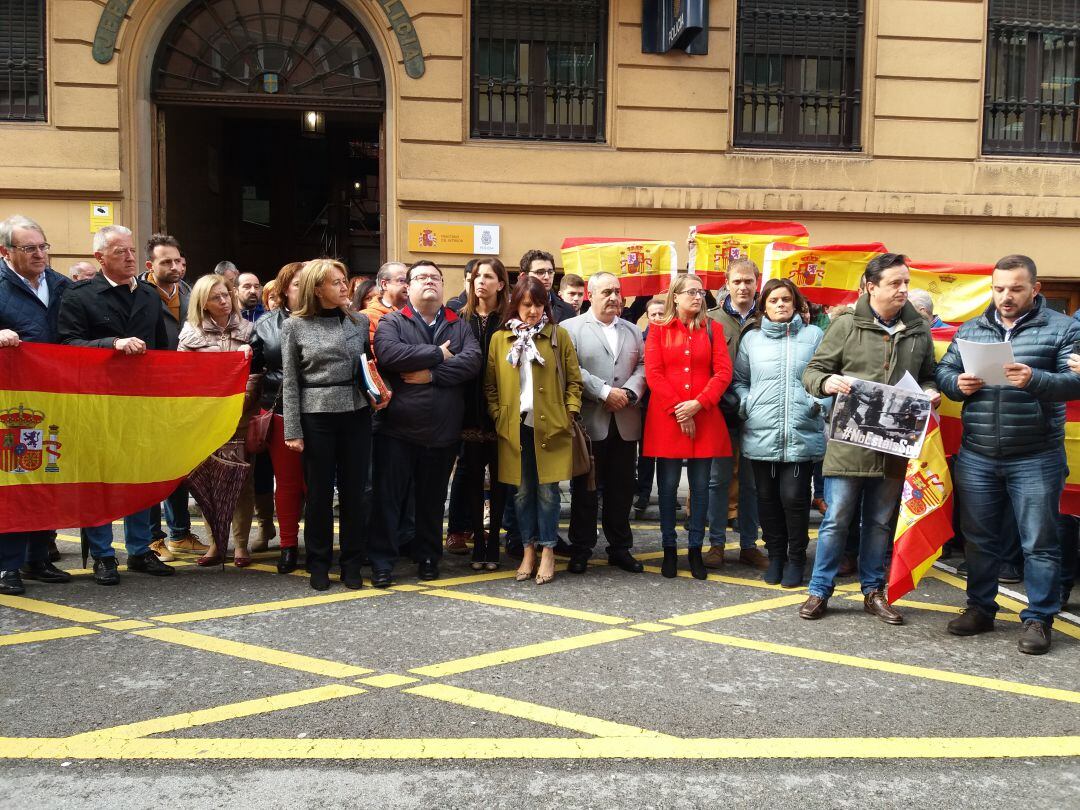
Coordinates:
[426,354]
[393,283]
[30,293]
[541,264]
[114,310]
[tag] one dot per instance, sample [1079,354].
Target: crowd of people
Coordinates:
[515,387]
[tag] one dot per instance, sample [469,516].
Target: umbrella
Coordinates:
[216,484]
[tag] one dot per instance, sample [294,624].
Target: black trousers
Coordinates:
[783,496]
[616,467]
[476,457]
[402,467]
[337,446]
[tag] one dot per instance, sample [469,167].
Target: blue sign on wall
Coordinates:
[668,25]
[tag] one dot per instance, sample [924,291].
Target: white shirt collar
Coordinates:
[132,283]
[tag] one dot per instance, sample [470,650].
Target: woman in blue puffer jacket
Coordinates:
[783,431]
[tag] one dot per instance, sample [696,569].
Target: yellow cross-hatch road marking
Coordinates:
[529,711]
[126,624]
[946,676]
[231,711]
[64,612]
[32,636]
[387,681]
[731,611]
[251,652]
[265,607]
[523,653]
[535,607]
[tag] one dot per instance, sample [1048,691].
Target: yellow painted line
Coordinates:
[64,612]
[523,653]
[650,627]
[529,711]
[749,583]
[534,607]
[231,711]
[745,609]
[387,681]
[468,580]
[408,588]
[32,636]
[251,652]
[126,624]
[265,607]
[945,676]
[640,747]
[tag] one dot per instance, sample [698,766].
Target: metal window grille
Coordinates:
[22,60]
[799,73]
[1033,78]
[539,69]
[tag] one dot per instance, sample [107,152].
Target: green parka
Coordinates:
[553,408]
[856,345]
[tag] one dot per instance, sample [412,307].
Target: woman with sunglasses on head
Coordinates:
[687,368]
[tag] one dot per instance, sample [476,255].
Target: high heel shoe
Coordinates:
[669,567]
[697,564]
[522,575]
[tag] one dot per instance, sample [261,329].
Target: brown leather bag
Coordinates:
[580,443]
[257,439]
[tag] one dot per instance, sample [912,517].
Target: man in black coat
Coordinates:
[541,264]
[114,310]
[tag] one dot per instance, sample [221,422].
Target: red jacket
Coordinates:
[681,365]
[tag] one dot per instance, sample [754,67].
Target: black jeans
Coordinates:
[783,496]
[402,467]
[476,457]
[337,446]
[615,461]
[458,517]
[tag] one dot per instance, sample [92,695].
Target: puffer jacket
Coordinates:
[1001,421]
[781,421]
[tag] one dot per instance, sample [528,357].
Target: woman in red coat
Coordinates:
[688,368]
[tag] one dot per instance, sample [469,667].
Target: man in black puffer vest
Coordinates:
[1013,449]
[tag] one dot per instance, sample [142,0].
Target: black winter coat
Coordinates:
[1001,421]
[92,313]
[22,312]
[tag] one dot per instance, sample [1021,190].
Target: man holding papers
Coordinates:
[1013,446]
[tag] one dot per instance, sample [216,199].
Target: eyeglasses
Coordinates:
[542,273]
[696,292]
[423,278]
[29,250]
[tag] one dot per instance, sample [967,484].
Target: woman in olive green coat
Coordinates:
[532,404]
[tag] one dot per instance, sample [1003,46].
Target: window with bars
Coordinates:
[22,60]
[1033,78]
[798,73]
[539,69]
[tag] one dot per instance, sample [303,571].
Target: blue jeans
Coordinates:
[719,489]
[177,515]
[136,536]
[668,473]
[20,548]
[880,498]
[537,504]
[1032,484]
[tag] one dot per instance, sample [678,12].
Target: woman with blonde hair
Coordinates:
[214,325]
[687,368]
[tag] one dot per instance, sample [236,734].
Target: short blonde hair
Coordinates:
[312,274]
[201,293]
[677,286]
[268,293]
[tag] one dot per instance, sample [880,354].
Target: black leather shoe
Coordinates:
[381,579]
[45,572]
[697,564]
[669,567]
[319,580]
[577,565]
[1009,574]
[149,563]
[427,570]
[626,561]
[286,563]
[352,580]
[1035,640]
[970,623]
[11,583]
[105,572]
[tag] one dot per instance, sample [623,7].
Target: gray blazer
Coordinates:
[599,367]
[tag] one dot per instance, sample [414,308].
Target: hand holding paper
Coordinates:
[987,361]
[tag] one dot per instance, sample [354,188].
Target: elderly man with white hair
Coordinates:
[227,270]
[81,271]
[924,305]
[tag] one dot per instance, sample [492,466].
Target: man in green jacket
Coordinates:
[879,341]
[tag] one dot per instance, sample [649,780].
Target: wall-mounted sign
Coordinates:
[453,237]
[112,17]
[411,53]
[101,214]
[668,25]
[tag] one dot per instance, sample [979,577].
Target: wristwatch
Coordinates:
[630,395]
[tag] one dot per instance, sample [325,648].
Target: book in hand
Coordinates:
[377,390]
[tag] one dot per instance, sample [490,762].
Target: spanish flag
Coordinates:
[949,409]
[827,275]
[925,520]
[960,291]
[714,245]
[644,266]
[90,435]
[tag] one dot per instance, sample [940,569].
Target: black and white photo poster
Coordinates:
[885,418]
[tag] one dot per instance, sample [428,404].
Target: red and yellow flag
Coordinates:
[960,291]
[714,245]
[924,524]
[644,266]
[949,409]
[827,275]
[90,435]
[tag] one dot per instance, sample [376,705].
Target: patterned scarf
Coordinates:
[524,344]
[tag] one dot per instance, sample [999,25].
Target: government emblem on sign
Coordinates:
[427,238]
[809,272]
[23,445]
[728,251]
[633,260]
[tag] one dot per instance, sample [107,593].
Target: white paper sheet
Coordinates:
[986,360]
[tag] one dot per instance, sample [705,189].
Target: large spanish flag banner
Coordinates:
[827,275]
[714,245]
[960,291]
[90,435]
[644,266]
[949,409]
[925,520]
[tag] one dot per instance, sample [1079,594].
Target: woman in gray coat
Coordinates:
[783,431]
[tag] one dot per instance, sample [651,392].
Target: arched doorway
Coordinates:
[269,135]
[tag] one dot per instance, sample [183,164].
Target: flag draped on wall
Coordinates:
[714,245]
[827,275]
[960,291]
[90,435]
[644,266]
